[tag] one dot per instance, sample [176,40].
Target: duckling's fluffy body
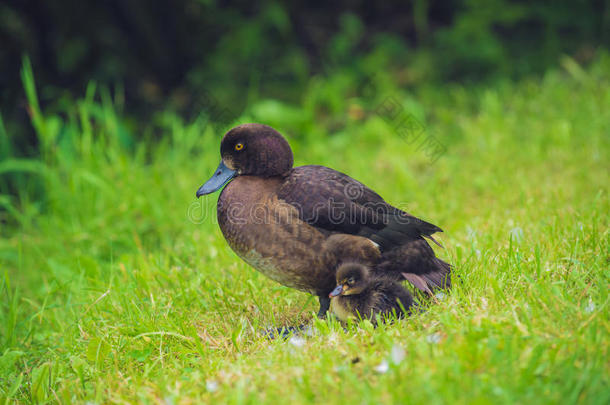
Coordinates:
[381,297]
[361,294]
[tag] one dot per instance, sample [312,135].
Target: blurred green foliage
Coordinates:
[155,54]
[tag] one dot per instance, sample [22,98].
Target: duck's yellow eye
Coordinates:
[239,146]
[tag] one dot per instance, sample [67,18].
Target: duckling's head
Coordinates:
[352,278]
[250,149]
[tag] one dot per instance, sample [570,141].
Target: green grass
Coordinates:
[117,285]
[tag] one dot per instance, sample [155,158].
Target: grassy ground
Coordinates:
[117,285]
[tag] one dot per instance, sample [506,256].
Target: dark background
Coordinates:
[166,54]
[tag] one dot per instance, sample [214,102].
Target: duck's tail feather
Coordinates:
[439,278]
[416,262]
[418,282]
[435,241]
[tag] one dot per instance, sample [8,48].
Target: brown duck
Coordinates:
[359,294]
[296,225]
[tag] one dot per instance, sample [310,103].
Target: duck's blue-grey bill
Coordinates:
[336,291]
[221,176]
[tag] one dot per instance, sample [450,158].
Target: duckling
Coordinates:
[360,293]
[296,225]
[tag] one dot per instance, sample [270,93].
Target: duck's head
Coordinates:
[352,278]
[250,149]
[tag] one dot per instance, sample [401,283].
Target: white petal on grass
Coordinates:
[211,385]
[297,341]
[397,354]
[440,296]
[433,338]
[484,303]
[308,331]
[516,234]
[472,234]
[383,367]
[590,307]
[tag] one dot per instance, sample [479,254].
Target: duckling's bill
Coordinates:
[337,291]
[221,176]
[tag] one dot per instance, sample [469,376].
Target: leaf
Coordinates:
[15,386]
[97,350]
[140,355]
[22,165]
[8,359]
[40,382]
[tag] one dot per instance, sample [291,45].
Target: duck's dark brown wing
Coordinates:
[331,200]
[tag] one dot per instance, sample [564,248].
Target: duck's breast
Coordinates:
[268,234]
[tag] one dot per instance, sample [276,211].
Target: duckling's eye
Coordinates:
[239,146]
[351,280]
